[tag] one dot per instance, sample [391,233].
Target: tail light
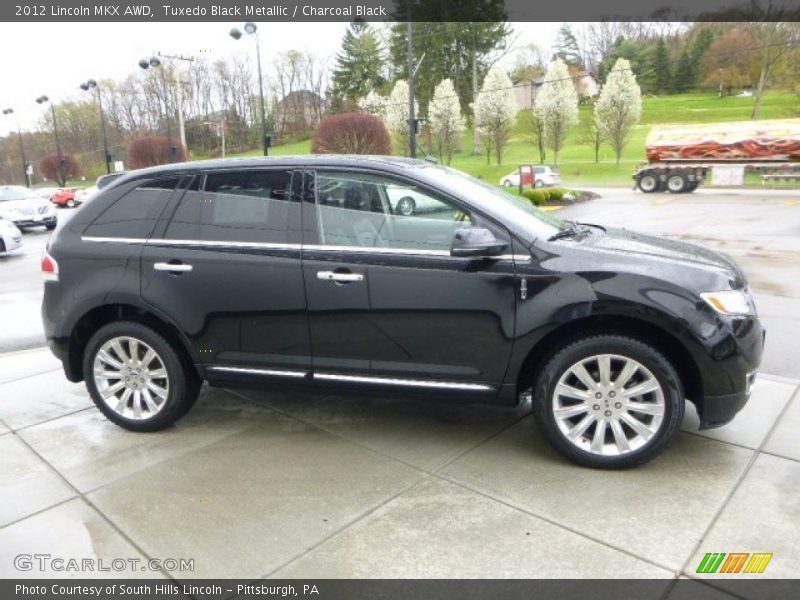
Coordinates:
[49,267]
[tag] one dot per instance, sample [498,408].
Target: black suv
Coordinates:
[392,275]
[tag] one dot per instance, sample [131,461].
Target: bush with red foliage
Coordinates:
[153,150]
[351,133]
[49,167]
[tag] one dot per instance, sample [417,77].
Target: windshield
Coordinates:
[15,192]
[515,208]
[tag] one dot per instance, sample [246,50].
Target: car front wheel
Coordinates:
[136,378]
[609,401]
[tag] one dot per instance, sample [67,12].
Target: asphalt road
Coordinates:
[760,229]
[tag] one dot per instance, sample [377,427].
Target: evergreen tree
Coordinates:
[684,75]
[566,47]
[660,67]
[359,62]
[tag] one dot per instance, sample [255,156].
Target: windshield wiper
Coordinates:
[574,230]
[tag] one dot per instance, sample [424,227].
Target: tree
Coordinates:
[660,67]
[730,62]
[374,104]
[397,114]
[566,46]
[774,40]
[359,63]
[537,133]
[684,76]
[619,106]
[445,121]
[590,133]
[52,168]
[496,111]
[152,150]
[528,64]
[351,133]
[557,105]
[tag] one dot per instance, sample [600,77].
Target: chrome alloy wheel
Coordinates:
[131,378]
[608,405]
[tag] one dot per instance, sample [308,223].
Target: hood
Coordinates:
[24,206]
[676,251]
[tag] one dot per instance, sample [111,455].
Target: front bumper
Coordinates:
[35,222]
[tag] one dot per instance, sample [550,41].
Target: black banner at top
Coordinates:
[398,10]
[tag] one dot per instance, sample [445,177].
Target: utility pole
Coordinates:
[179,93]
[412,120]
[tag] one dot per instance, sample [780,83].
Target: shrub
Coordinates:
[49,166]
[351,133]
[536,196]
[153,150]
[556,194]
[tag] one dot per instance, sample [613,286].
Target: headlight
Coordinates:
[731,302]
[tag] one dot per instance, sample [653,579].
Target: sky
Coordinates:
[54,58]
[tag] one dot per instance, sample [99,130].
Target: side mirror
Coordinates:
[476,242]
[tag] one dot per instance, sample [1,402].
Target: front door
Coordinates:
[387,303]
[225,265]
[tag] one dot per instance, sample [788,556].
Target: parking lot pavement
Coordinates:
[269,484]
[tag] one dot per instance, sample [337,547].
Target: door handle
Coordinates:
[339,277]
[172,267]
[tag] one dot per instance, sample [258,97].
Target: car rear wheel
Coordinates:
[136,378]
[539,183]
[507,183]
[70,203]
[609,401]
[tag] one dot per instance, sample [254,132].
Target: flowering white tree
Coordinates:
[619,106]
[396,114]
[444,119]
[496,111]
[557,105]
[373,103]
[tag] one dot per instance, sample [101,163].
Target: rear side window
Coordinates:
[236,206]
[134,214]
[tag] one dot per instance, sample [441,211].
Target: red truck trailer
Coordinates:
[680,157]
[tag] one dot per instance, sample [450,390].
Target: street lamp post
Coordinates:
[61,161]
[10,111]
[89,85]
[155,62]
[251,29]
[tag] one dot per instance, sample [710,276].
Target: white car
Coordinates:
[543,177]
[25,209]
[10,237]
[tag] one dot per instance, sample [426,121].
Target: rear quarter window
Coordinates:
[134,215]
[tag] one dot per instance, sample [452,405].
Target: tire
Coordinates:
[50,226]
[170,396]
[692,186]
[648,182]
[677,183]
[539,183]
[507,183]
[70,203]
[651,370]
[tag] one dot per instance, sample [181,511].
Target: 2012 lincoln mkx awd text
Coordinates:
[392,275]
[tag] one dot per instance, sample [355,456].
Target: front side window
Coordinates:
[134,214]
[374,211]
[236,206]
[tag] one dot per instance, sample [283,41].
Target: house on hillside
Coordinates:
[585,82]
[299,112]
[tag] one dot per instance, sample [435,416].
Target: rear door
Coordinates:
[225,266]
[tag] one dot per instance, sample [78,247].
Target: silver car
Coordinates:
[25,209]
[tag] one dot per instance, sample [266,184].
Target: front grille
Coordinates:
[43,209]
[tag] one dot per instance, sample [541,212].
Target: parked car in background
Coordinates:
[83,194]
[542,177]
[104,180]
[25,209]
[10,236]
[302,270]
[65,197]
[45,192]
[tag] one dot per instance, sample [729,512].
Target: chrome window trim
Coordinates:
[275,246]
